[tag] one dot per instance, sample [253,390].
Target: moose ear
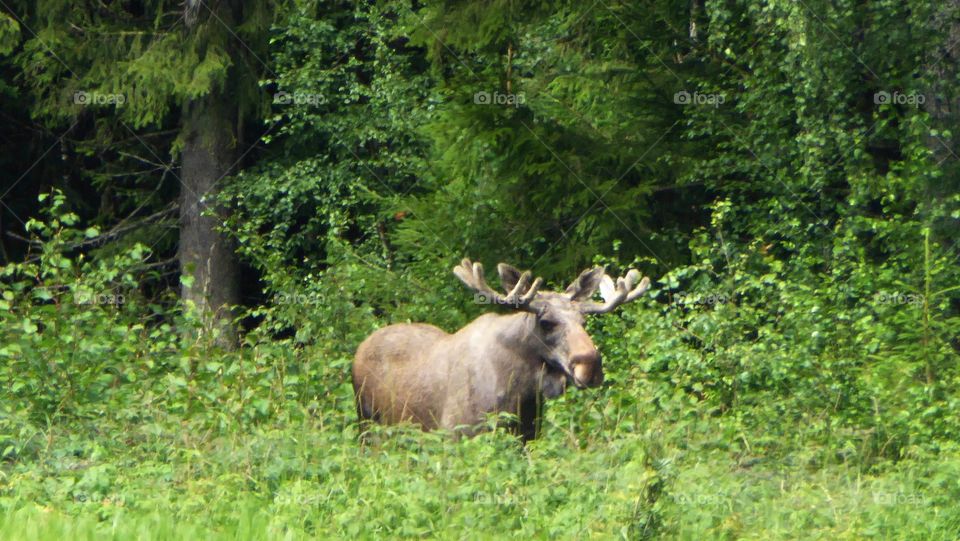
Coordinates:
[509,276]
[583,287]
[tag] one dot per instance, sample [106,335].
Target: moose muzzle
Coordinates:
[587,369]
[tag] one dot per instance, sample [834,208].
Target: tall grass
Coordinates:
[298,478]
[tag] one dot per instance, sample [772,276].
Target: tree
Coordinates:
[209,133]
[149,83]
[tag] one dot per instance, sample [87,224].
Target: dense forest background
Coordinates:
[206,205]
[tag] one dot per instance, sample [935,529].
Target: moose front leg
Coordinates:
[529,417]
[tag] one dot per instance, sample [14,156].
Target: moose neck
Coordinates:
[518,335]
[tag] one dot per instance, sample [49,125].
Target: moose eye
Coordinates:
[547,326]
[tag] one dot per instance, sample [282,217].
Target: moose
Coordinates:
[496,364]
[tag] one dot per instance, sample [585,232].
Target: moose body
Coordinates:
[496,364]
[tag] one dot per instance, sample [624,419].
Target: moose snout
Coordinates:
[587,368]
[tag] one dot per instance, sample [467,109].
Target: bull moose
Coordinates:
[497,363]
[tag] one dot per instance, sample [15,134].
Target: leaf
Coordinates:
[29,327]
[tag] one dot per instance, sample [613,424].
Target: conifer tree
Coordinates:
[167,84]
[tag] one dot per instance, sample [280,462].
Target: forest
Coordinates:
[206,206]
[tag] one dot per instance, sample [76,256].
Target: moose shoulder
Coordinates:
[497,363]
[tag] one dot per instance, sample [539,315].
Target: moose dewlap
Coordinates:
[497,363]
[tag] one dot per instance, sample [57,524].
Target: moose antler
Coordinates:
[615,294]
[519,297]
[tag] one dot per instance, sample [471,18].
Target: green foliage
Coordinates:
[688,439]
[140,53]
[9,33]
[80,341]
[318,219]
[812,283]
[67,320]
[551,134]
[793,373]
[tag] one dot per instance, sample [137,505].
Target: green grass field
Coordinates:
[641,475]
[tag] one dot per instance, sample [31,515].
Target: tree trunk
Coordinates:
[206,255]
